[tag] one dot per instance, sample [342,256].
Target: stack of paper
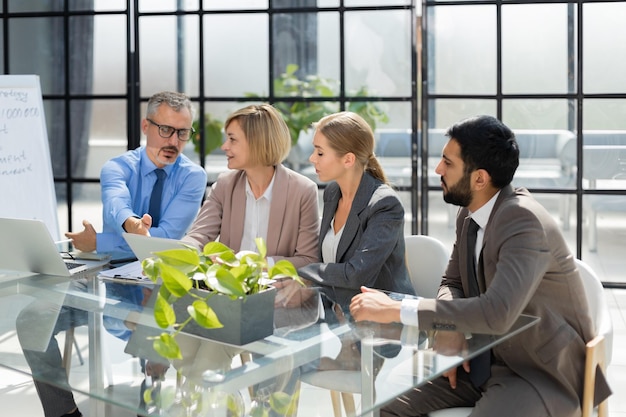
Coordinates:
[129,272]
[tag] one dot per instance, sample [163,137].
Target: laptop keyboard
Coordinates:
[72,265]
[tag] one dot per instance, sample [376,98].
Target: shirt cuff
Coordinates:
[408,311]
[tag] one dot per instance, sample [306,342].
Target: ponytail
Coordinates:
[374,168]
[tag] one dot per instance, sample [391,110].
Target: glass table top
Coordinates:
[382,361]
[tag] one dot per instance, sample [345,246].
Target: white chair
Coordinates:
[599,349]
[426,259]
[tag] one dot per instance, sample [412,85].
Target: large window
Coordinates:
[551,72]
[100,60]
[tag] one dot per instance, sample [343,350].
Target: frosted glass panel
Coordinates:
[462,50]
[535,48]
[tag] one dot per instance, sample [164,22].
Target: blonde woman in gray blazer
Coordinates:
[524,266]
[362,233]
[259,197]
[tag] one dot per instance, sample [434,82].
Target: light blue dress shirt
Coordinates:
[127,182]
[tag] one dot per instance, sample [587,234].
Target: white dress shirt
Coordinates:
[257,217]
[408,310]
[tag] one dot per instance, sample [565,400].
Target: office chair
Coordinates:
[427,259]
[599,350]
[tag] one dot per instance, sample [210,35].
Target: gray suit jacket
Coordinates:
[292,232]
[371,248]
[527,268]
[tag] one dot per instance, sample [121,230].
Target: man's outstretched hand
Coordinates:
[85,240]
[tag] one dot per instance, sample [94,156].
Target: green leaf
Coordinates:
[259,411]
[204,315]
[212,134]
[225,282]
[261,246]
[234,406]
[291,69]
[280,402]
[251,258]
[176,281]
[228,258]
[164,314]
[283,268]
[185,259]
[241,272]
[147,396]
[150,268]
[166,346]
[216,249]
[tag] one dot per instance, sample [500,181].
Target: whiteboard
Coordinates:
[26,180]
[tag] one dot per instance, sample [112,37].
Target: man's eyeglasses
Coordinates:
[167,131]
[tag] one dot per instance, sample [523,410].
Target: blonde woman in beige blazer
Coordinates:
[293,225]
[259,197]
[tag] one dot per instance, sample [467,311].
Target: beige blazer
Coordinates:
[527,268]
[294,216]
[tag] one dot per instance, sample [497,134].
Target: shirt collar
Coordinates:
[481,216]
[268,191]
[147,166]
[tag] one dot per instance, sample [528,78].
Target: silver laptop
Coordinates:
[144,246]
[27,246]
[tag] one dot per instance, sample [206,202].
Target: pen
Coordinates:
[60,242]
[122,261]
[129,281]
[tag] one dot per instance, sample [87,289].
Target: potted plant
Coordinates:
[216,293]
[299,115]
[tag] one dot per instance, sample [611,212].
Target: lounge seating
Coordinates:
[604,163]
[546,158]
[543,163]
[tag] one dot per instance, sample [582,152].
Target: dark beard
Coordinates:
[460,193]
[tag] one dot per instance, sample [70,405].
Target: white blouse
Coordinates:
[330,243]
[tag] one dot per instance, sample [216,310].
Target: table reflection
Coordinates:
[312,336]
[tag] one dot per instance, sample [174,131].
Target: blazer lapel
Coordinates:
[361,199]
[504,194]
[238,213]
[278,207]
[331,200]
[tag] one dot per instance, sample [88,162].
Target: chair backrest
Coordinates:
[426,260]
[598,305]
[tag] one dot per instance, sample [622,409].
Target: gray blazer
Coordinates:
[371,248]
[293,223]
[527,268]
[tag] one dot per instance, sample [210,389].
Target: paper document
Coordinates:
[131,271]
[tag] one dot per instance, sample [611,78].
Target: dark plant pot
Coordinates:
[245,320]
